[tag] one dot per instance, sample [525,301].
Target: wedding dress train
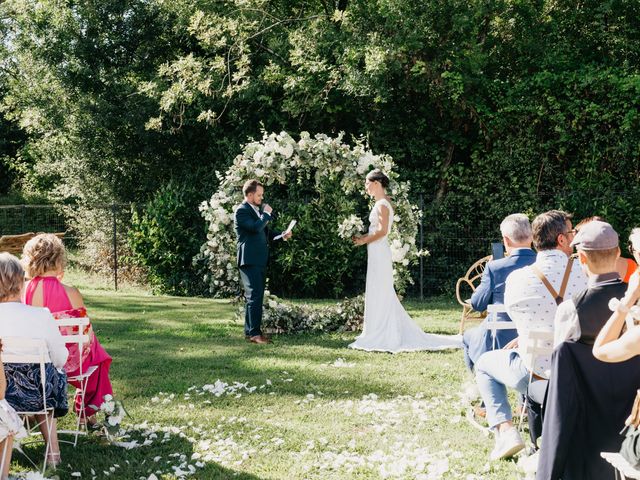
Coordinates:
[387,326]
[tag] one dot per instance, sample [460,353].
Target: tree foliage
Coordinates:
[478,101]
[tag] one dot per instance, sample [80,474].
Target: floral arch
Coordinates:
[278,159]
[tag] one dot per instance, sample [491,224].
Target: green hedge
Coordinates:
[164,237]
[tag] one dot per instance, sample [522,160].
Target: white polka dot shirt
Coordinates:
[532,307]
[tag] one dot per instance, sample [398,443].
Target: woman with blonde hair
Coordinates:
[23,389]
[44,258]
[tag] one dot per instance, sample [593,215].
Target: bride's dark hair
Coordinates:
[377,176]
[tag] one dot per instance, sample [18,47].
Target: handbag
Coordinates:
[630,449]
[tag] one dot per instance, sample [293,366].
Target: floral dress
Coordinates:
[24,388]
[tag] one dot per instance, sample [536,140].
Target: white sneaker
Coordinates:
[508,443]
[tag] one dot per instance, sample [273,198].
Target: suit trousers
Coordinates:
[253,280]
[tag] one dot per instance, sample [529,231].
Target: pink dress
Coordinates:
[55,298]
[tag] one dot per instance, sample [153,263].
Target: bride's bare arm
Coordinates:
[383,228]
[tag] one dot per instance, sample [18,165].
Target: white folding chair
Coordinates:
[623,469]
[78,339]
[539,344]
[35,351]
[493,324]
[4,454]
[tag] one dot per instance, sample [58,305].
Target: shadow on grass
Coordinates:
[172,343]
[110,461]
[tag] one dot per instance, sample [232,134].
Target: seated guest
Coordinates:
[587,400]
[517,237]
[24,389]
[44,258]
[624,266]
[10,425]
[582,317]
[610,345]
[532,295]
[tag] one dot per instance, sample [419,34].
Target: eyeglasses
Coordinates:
[573,231]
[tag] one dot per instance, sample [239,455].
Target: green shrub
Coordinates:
[319,181]
[164,237]
[322,264]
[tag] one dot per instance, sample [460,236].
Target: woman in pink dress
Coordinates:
[44,259]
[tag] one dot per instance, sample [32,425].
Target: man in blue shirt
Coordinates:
[517,238]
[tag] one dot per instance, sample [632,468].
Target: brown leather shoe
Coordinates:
[259,339]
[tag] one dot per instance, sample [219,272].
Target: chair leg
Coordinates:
[464,316]
[523,409]
[82,414]
[47,443]
[4,457]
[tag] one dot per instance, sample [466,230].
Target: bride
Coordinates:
[387,326]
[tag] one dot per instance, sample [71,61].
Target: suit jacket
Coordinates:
[491,288]
[587,404]
[253,235]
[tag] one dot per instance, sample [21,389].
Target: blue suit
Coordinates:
[478,340]
[253,253]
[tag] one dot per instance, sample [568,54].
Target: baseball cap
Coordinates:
[595,235]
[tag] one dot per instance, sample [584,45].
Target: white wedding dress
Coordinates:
[387,326]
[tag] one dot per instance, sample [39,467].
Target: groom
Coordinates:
[250,221]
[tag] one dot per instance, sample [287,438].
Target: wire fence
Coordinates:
[460,230]
[457,232]
[19,219]
[25,219]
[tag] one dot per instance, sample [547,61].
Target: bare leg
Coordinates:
[6,446]
[89,421]
[51,438]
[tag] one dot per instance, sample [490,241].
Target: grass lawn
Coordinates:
[318,410]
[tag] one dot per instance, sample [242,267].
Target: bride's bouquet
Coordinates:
[350,226]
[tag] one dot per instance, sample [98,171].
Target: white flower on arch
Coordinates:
[272,160]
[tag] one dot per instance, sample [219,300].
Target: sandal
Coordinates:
[90,423]
[53,460]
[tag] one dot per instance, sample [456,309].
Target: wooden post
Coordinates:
[421,247]
[114,209]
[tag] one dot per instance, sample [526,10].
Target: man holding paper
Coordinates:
[251,221]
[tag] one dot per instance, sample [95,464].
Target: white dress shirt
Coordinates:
[530,304]
[257,210]
[20,320]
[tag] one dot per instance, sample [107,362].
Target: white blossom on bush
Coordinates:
[280,317]
[274,160]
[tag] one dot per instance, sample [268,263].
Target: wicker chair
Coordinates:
[471,279]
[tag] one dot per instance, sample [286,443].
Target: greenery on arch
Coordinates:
[319,181]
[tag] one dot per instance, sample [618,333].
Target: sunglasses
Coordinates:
[630,248]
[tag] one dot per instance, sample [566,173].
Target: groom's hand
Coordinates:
[287,236]
[267,209]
